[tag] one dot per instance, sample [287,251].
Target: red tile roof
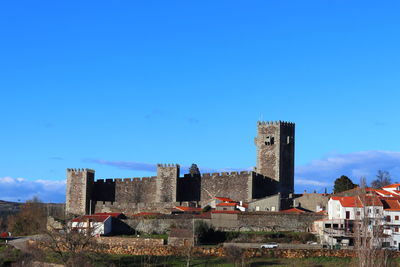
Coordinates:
[391,204]
[224,204]
[224,199]
[371,200]
[391,186]
[359,201]
[294,210]
[383,192]
[188,209]
[348,201]
[96,218]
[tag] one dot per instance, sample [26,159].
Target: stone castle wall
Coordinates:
[134,195]
[132,208]
[79,190]
[237,186]
[274,173]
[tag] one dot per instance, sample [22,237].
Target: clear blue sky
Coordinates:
[108,84]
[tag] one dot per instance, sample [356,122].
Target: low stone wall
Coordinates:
[212,251]
[127,241]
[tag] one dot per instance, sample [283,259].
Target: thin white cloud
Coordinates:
[311,182]
[20,189]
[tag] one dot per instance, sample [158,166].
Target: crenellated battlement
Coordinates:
[168,165]
[275,123]
[126,180]
[80,170]
[218,174]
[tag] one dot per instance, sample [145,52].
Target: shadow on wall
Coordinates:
[104,191]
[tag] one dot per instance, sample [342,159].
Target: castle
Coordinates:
[272,178]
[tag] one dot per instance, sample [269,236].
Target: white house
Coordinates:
[392,220]
[354,207]
[343,211]
[95,224]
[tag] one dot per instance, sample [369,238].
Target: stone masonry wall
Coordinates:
[127,241]
[275,153]
[130,208]
[135,190]
[212,251]
[79,190]
[267,143]
[166,182]
[310,201]
[276,221]
[126,190]
[234,185]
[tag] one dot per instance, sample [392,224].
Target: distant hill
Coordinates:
[10,208]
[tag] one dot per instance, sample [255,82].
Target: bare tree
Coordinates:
[71,243]
[30,220]
[368,231]
[382,179]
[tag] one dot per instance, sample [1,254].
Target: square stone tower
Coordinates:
[79,191]
[275,153]
[167,182]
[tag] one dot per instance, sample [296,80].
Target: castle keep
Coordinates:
[273,175]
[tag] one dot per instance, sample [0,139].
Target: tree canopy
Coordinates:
[382,179]
[343,183]
[194,170]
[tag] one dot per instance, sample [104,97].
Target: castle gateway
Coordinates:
[272,178]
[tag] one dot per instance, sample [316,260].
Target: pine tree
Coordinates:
[343,183]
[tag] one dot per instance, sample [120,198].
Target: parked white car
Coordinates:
[270,245]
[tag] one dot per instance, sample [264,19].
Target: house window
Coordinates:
[358,213]
[388,218]
[377,211]
[396,229]
[347,214]
[396,218]
[395,242]
[369,210]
